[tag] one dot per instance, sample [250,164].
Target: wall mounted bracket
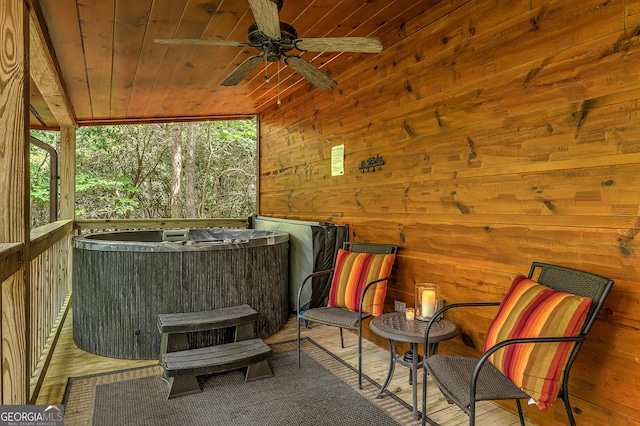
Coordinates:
[371,163]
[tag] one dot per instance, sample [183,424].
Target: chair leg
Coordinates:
[472,413]
[424,394]
[520,412]
[567,405]
[298,341]
[359,358]
[341,339]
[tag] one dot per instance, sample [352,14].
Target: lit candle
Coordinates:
[410,314]
[428,303]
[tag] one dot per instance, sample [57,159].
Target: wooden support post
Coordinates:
[258,138]
[68,185]
[14,191]
[67,172]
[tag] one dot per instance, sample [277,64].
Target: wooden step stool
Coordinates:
[181,365]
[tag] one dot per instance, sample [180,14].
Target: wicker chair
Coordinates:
[341,317]
[464,381]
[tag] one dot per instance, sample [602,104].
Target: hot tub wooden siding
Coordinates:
[117,295]
[511,134]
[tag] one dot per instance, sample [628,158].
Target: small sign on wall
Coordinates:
[337,160]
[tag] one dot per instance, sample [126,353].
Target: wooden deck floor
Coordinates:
[69,361]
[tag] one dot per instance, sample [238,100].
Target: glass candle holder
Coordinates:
[410,314]
[426,296]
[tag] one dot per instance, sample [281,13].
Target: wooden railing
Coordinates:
[49,292]
[29,324]
[10,254]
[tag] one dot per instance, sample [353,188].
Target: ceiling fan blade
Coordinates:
[310,72]
[196,42]
[242,71]
[266,14]
[340,44]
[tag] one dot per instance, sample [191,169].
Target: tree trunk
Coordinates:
[191,170]
[176,175]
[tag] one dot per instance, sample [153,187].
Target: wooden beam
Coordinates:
[67,172]
[45,71]
[14,192]
[153,120]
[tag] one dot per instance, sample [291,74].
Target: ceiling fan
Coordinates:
[275,39]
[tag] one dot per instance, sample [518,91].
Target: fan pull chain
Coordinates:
[266,76]
[278,101]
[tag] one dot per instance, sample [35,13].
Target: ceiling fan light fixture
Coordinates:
[271,53]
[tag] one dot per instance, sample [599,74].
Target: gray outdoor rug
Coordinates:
[322,392]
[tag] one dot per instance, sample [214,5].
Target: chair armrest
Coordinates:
[441,311]
[364,293]
[529,340]
[305,281]
[516,341]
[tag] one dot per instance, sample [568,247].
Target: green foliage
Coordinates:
[126,171]
[39,177]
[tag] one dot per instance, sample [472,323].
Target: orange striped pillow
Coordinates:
[533,310]
[352,273]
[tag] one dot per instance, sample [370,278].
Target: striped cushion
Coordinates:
[532,310]
[352,273]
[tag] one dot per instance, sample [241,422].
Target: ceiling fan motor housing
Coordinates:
[271,47]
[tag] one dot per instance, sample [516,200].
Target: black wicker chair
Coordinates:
[339,317]
[464,381]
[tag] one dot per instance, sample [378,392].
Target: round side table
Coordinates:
[395,327]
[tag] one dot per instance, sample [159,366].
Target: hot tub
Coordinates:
[123,280]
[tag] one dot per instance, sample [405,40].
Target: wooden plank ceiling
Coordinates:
[113,72]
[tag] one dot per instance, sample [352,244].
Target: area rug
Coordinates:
[323,392]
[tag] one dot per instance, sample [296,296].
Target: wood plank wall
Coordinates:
[511,133]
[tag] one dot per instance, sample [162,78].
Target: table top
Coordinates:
[395,326]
